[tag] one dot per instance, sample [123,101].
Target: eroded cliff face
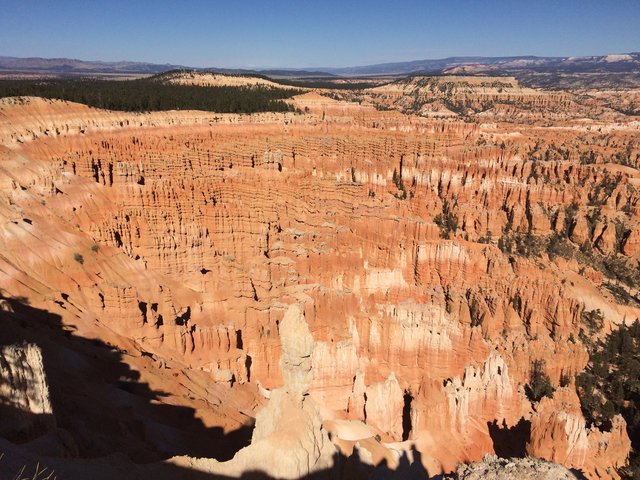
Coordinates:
[449,96]
[430,258]
[289,440]
[559,434]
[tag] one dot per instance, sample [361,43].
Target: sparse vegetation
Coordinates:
[397,181]
[78,258]
[616,267]
[592,220]
[570,213]
[516,302]
[447,221]
[602,190]
[621,294]
[486,238]
[559,246]
[526,245]
[565,379]
[40,472]
[623,271]
[539,385]
[610,385]
[593,320]
[621,235]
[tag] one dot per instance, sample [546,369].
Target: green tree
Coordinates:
[539,382]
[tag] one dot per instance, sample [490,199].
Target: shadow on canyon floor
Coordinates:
[510,441]
[351,468]
[103,414]
[99,399]
[105,420]
[344,468]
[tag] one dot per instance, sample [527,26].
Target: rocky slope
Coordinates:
[493,467]
[435,261]
[482,98]
[451,95]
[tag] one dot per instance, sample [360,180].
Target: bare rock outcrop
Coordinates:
[494,468]
[559,434]
[25,407]
[383,407]
[289,440]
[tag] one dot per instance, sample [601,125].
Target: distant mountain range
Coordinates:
[71,66]
[618,63]
[623,63]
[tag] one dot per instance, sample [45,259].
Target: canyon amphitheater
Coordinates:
[358,289]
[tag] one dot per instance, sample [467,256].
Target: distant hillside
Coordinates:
[621,63]
[519,66]
[272,73]
[69,66]
[215,79]
[175,92]
[73,66]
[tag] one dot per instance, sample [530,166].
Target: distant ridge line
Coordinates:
[615,63]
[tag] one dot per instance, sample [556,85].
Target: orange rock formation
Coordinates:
[181,238]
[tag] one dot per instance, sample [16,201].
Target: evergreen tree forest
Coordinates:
[149,94]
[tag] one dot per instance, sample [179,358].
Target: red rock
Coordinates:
[196,231]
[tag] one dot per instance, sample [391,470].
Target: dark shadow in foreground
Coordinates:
[107,424]
[99,401]
[509,442]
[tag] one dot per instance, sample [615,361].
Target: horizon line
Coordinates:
[282,67]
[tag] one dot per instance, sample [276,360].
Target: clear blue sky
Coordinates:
[301,33]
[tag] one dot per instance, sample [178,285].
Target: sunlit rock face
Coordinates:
[182,239]
[25,407]
[289,440]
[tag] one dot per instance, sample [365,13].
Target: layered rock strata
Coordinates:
[420,249]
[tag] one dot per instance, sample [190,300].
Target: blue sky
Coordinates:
[301,33]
